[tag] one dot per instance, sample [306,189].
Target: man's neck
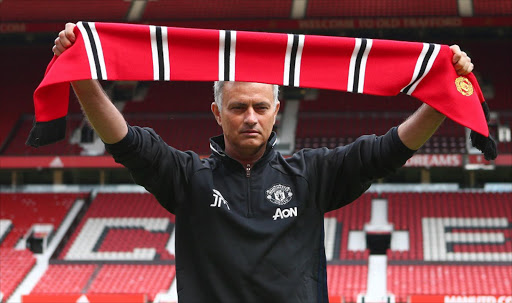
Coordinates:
[245,157]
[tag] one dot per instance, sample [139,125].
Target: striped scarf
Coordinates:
[110,51]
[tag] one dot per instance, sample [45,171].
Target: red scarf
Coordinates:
[109,51]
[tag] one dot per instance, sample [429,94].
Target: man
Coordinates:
[249,223]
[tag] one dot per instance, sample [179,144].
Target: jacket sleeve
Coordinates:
[339,176]
[159,168]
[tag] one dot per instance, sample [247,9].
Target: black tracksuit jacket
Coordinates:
[254,234]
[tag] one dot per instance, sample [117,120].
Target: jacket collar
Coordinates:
[217,147]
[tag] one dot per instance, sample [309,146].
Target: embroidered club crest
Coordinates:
[464,86]
[279,194]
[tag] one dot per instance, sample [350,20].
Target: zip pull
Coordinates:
[248,170]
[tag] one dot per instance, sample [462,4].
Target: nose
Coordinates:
[250,116]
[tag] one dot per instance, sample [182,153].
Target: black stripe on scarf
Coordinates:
[293,56]
[422,69]
[358,65]
[160,51]
[94,50]
[227,50]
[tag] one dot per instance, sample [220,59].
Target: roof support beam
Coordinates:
[136,10]
[299,9]
[465,8]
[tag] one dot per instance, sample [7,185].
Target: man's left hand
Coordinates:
[461,61]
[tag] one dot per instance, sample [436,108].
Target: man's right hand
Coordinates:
[65,39]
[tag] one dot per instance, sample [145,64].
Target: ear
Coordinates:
[216,113]
[278,105]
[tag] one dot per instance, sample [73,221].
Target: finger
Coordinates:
[55,51]
[455,48]
[456,53]
[58,46]
[464,59]
[69,30]
[457,57]
[64,39]
[459,65]
[464,55]
[460,70]
[466,69]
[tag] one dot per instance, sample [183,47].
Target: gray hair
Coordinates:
[219,85]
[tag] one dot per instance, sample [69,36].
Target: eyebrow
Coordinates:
[233,104]
[262,103]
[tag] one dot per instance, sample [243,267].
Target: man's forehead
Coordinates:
[239,89]
[248,85]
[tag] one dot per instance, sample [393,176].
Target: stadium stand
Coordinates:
[459,243]
[335,101]
[139,218]
[105,279]
[131,223]
[14,10]
[20,213]
[404,280]
[146,279]
[331,8]
[182,132]
[492,8]
[17,144]
[205,9]
[346,281]
[408,210]
[17,88]
[65,278]
[174,97]
[351,218]
[14,266]
[115,241]
[25,209]
[496,88]
[331,130]
[505,142]
[167,104]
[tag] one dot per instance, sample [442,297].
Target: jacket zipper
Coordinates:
[248,176]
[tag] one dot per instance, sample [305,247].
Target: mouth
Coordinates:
[250,132]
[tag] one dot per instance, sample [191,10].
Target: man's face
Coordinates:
[247,117]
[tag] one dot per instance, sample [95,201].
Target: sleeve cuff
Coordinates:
[123,144]
[401,148]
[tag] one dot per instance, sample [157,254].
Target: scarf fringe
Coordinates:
[44,133]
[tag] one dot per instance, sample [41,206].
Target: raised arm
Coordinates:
[419,127]
[104,117]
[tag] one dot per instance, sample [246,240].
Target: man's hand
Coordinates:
[104,117]
[65,39]
[416,130]
[461,61]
